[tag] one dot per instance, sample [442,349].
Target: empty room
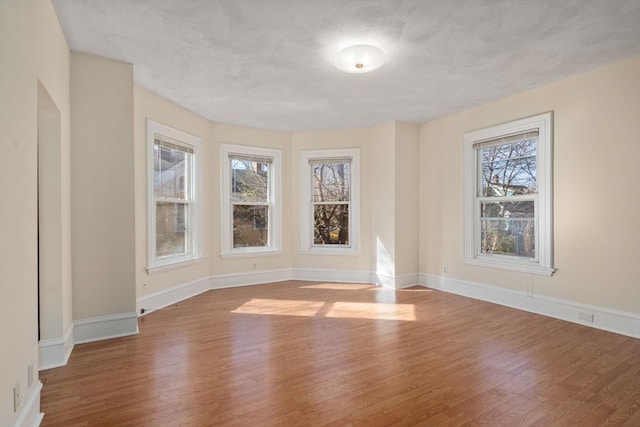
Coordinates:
[320,213]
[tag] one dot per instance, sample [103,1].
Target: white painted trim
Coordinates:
[407,280]
[155,128]
[55,352]
[617,321]
[543,265]
[324,251]
[30,414]
[520,267]
[249,278]
[180,264]
[105,327]
[251,254]
[166,297]
[383,280]
[330,275]
[398,282]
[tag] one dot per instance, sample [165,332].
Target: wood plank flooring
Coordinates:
[312,354]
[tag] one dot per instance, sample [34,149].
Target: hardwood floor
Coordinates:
[307,353]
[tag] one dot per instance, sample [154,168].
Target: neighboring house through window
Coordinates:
[330,201]
[172,201]
[250,200]
[508,215]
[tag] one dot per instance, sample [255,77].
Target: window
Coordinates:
[172,207]
[329,211]
[508,196]
[250,200]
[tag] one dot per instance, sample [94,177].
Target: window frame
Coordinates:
[274,223]
[307,203]
[542,264]
[194,251]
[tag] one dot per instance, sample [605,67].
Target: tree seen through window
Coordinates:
[508,192]
[331,194]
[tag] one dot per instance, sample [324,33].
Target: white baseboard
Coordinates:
[249,278]
[166,297]
[30,415]
[329,275]
[407,280]
[398,282]
[181,292]
[105,327]
[55,352]
[620,322]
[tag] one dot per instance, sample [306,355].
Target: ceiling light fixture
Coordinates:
[360,58]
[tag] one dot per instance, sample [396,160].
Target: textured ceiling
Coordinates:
[268,63]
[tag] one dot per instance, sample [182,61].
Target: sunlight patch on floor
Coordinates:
[374,311]
[280,307]
[345,310]
[339,286]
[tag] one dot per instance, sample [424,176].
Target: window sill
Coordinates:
[331,251]
[173,265]
[249,254]
[520,268]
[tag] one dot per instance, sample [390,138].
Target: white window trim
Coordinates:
[543,265]
[226,216]
[306,218]
[155,264]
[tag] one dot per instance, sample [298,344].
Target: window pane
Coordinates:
[331,224]
[171,229]
[508,228]
[249,180]
[250,226]
[331,182]
[170,171]
[513,210]
[509,169]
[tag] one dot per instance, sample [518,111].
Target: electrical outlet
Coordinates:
[16,397]
[445,269]
[30,375]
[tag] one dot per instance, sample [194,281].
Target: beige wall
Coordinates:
[406,198]
[394,174]
[32,49]
[50,220]
[352,138]
[241,135]
[596,188]
[102,187]
[383,211]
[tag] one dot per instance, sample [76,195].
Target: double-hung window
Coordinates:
[172,202]
[329,211]
[508,196]
[250,200]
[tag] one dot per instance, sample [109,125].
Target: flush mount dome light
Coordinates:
[360,58]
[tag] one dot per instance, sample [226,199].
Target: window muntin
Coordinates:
[508,196]
[250,200]
[172,211]
[329,202]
